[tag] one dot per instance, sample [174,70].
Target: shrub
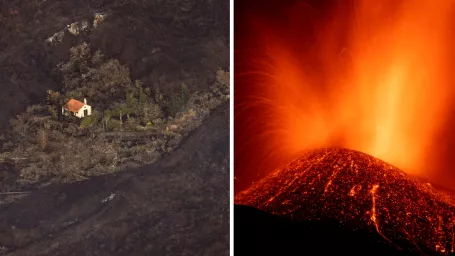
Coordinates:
[98,58]
[174,104]
[113,124]
[185,93]
[73,95]
[131,122]
[151,111]
[91,121]
[159,97]
[53,98]
[81,51]
[32,174]
[77,64]
[113,75]
[222,77]
[53,111]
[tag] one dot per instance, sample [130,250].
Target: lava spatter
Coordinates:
[364,192]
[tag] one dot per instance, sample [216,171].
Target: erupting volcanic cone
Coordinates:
[360,191]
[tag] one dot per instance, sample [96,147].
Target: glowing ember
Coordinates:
[360,190]
[374,76]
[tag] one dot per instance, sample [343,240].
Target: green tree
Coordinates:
[107,116]
[143,98]
[77,65]
[54,100]
[73,95]
[113,76]
[131,101]
[177,101]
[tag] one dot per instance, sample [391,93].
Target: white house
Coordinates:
[77,108]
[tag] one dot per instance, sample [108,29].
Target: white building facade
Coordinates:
[77,108]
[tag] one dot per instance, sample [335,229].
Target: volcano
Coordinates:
[350,199]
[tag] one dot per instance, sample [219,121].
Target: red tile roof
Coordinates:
[74,105]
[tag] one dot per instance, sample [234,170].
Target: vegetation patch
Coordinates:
[131,123]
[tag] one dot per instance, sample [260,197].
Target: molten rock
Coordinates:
[359,191]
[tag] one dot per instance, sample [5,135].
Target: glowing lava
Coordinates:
[319,185]
[374,76]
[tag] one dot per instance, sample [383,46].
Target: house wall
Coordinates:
[80,113]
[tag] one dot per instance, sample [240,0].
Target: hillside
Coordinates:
[178,206]
[151,71]
[148,171]
[161,42]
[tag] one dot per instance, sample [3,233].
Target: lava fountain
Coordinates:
[373,76]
